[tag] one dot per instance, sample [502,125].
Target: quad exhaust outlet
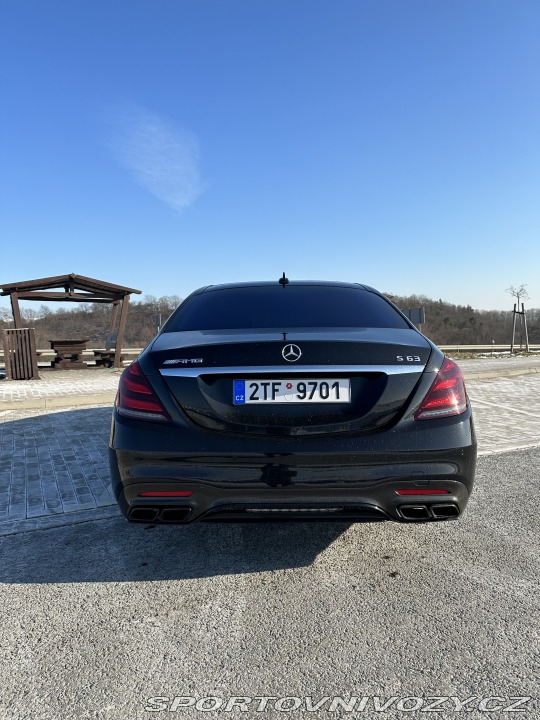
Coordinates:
[439,511]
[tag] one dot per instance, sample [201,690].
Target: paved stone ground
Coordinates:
[53,464]
[91,386]
[53,461]
[506,412]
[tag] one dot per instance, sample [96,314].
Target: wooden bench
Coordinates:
[105,358]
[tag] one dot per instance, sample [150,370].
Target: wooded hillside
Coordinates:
[446,324]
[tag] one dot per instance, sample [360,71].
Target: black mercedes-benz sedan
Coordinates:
[291,401]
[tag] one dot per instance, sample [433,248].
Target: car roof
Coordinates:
[293,283]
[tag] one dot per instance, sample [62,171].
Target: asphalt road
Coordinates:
[100,616]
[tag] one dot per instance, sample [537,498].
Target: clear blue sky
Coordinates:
[169,144]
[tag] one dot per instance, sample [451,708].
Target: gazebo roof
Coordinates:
[73,288]
[76,288]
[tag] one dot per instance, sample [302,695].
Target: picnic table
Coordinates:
[69,353]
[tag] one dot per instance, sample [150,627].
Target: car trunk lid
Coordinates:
[382,365]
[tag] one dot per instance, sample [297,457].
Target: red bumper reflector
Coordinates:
[167,493]
[422,491]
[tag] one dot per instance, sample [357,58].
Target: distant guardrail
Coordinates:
[46,355]
[486,348]
[90,351]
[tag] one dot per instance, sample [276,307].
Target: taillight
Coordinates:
[446,396]
[136,398]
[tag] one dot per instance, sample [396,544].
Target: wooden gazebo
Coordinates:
[74,288]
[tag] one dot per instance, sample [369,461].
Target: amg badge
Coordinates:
[184,361]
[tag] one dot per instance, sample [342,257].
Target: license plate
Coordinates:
[297,390]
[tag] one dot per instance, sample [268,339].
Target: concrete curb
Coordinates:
[45,522]
[472,375]
[510,448]
[55,401]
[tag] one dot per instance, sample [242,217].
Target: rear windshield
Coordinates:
[289,307]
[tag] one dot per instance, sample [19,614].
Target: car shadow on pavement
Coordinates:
[114,550]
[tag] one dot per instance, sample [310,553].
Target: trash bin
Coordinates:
[20,356]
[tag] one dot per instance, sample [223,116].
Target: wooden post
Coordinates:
[513,330]
[120,338]
[525,326]
[16,310]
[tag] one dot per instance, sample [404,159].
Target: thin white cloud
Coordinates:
[162,159]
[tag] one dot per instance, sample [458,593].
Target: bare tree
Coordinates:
[29,315]
[519,293]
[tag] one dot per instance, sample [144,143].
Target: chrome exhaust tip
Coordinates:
[414,512]
[444,510]
[143,514]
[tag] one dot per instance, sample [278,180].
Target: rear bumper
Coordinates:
[216,503]
[350,479]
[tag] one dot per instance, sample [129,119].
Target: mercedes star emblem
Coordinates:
[291,353]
